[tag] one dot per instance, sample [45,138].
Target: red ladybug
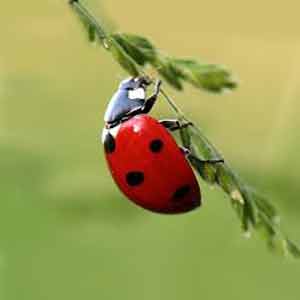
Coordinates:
[143,157]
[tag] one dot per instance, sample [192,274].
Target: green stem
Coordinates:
[173,105]
[87,14]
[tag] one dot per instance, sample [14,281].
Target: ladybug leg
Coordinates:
[152,99]
[173,124]
[207,161]
[187,153]
[170,124]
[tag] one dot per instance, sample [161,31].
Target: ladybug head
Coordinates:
[134,83]
[130,96]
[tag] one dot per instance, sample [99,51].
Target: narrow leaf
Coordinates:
[205,170]
[137,45]
[185,136]
[292,248]
[131,49]
[213,78]
[124,59]
[92,33]
[168,71]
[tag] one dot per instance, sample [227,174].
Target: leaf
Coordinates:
[185,136]
[123,59]
[92,33]
[139,48]
[88,27]
[250,211]
[205,170]
[254,210]
[264,205]
[136,53]
[222,175]
[213,78]
[201,144]
[227,182]
[292,248]
[142,52]
[168,71]
[93,29]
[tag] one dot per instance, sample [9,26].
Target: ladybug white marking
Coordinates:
[137,94]
[113,131]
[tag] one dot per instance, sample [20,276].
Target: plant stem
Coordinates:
[172,104]
[87,14]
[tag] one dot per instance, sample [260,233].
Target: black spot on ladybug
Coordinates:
[134,178]
[181,192]
[109,143]
[156,145]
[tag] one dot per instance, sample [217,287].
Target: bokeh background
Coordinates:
[66,232]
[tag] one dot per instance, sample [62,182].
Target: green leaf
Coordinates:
[91,26]
[124,59]
[201,144]
[168,71]
[206,170]
[227,182]
[222,175]
[135,48]
[88,27]
[254,211]
[213,78]
[92,33]
[139,48]
[264,205]
[292,248]
[250,211]
[185,136]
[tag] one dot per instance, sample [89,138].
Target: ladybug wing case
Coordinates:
[149,167]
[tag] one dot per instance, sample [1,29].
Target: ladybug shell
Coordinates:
[150,168]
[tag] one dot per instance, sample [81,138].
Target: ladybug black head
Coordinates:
[134,83]
[130,96]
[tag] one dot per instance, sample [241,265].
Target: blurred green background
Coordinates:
[66,232]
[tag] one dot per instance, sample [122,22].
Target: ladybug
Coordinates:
[143,157]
